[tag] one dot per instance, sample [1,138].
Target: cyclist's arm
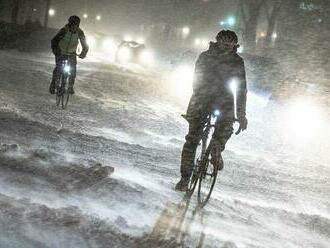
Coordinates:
[56,40]
[84,44]
[241,90]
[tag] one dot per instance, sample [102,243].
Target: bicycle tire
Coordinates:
[58,94]
[192,183]
[202,201]
[196,170]
[65,100]
[65,94]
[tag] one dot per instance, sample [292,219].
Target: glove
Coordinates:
[243,123]
[82,55]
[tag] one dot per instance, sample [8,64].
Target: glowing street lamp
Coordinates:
[51,12]
[231,21]
[185,31]
[98,18]
[85,16]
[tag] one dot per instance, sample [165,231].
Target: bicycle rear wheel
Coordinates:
[207,177]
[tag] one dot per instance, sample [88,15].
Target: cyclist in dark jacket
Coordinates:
[64,46]
[215,70]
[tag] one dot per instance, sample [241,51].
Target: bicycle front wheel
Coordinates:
[66,94]
[197,164]
[207,178]
[58,94]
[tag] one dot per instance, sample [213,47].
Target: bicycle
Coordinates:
[62,87]
[206,165]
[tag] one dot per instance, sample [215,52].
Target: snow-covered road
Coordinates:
[272,193]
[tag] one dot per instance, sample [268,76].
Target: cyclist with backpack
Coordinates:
[215,70]
[64,46]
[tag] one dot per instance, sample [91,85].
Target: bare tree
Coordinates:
[273,9]
[15,11]
[48,2]
[249,15]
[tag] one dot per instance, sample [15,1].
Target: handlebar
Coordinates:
[235,120]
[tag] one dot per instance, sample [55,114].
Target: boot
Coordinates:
[216,157]
[182,185]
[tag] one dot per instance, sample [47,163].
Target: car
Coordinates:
[133,52]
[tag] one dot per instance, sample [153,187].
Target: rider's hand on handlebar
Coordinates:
[243,123]
[82,56]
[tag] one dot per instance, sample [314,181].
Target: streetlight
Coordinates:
[51,12]
[98,18]
[85,16]
[231,21]
[185,32]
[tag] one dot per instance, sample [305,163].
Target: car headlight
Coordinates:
[124,54]
[146,57]
[303,119]
[108,45]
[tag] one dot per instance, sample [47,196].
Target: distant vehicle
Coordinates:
[133,52]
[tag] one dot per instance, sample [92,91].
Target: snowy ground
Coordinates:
[273,192]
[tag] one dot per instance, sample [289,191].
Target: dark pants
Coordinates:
[57,71]
[222,133]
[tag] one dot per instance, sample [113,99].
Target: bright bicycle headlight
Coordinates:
[67,68]
[216,112]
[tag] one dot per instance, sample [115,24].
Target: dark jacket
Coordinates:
[215,69]
[66,41]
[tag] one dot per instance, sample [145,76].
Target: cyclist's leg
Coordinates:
[56,74]
[189,148]
[223,131]
[188,153]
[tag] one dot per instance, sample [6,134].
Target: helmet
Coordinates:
[227,37]
[74,20]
